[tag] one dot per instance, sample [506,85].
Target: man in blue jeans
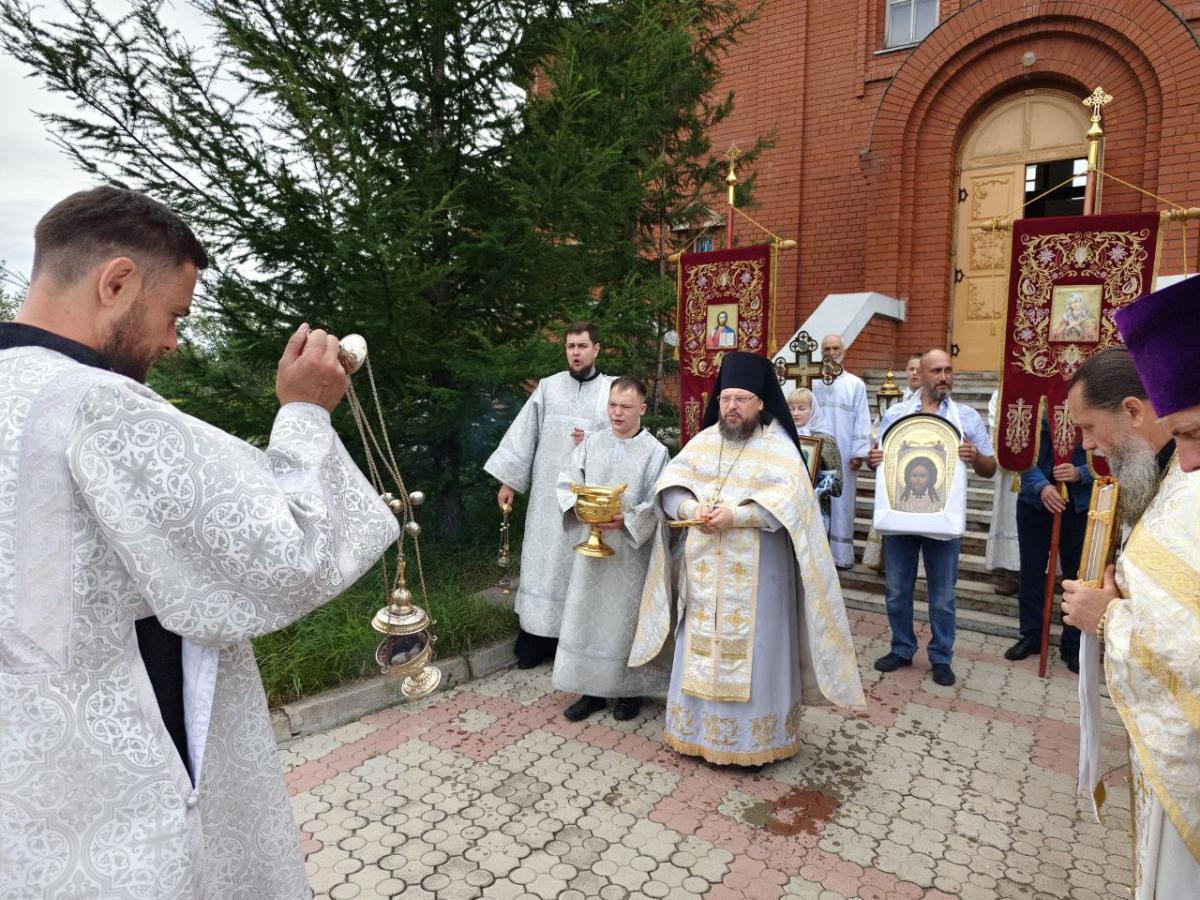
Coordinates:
[1037,503]
[941,557]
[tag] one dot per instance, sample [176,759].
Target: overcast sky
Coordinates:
[34,173]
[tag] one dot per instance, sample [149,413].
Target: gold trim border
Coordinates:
[722,758]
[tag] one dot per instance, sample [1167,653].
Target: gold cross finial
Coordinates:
[1096,102]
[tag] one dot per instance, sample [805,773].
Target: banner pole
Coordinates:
[731,181]
[1091,202]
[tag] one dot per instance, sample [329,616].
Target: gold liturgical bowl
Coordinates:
[596,506]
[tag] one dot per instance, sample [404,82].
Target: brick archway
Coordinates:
[1142,53]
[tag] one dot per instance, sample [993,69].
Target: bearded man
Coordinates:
[755,609]
[902,551]
[563,410]
[140,551]
[1146,614]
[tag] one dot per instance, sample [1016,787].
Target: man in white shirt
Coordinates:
[901,551]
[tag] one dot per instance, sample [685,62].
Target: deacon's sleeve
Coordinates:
[862,423]
[512,461]
[224,541]
[641,516]
[573,472]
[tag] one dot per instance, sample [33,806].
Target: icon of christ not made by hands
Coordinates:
[920,494]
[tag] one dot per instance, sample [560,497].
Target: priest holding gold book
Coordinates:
[1146,611]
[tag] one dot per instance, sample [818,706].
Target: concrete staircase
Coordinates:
[980,608]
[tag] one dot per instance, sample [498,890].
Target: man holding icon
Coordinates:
[901,551]
[1140,408]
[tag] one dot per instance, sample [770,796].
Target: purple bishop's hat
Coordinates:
[1162,332]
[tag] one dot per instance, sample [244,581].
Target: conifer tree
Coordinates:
[454,179]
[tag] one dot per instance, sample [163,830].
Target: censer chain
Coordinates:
[387,459]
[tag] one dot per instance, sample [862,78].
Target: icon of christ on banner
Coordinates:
[720,335]
[724,305]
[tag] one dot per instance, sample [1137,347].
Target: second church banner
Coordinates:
[1069,275]
[724,305]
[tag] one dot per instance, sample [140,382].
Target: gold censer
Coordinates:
[596,506]
[504,558]
[406,650]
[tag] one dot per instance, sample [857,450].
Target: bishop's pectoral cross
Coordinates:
[803,369]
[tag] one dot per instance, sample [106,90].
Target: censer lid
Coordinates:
[400,620]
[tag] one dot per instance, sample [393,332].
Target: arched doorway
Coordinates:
[1019,147]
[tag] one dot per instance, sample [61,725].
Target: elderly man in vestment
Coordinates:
[1146,614]
[559,414]
[751,598]
[604,594]
[140,551]
[849,419]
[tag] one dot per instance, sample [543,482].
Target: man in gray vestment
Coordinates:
[604,594]
[752,598]
[560,413]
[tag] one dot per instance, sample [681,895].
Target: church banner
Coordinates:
[724,305]
[1068,276]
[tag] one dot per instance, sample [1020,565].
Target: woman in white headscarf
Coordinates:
[809,421]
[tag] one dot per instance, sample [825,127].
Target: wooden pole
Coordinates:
[1048,597]
[1096,101]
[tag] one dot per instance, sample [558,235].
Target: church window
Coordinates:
[1066,200]
[909,21]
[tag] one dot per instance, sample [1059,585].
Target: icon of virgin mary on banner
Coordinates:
[1068,276]
[724,305]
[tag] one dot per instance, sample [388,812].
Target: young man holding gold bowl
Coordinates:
[601,611]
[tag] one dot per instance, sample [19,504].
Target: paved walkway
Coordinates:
[487,791]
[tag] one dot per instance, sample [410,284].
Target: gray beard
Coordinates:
[1135,466]
[738,432]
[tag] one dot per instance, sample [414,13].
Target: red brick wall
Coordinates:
[863,171]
